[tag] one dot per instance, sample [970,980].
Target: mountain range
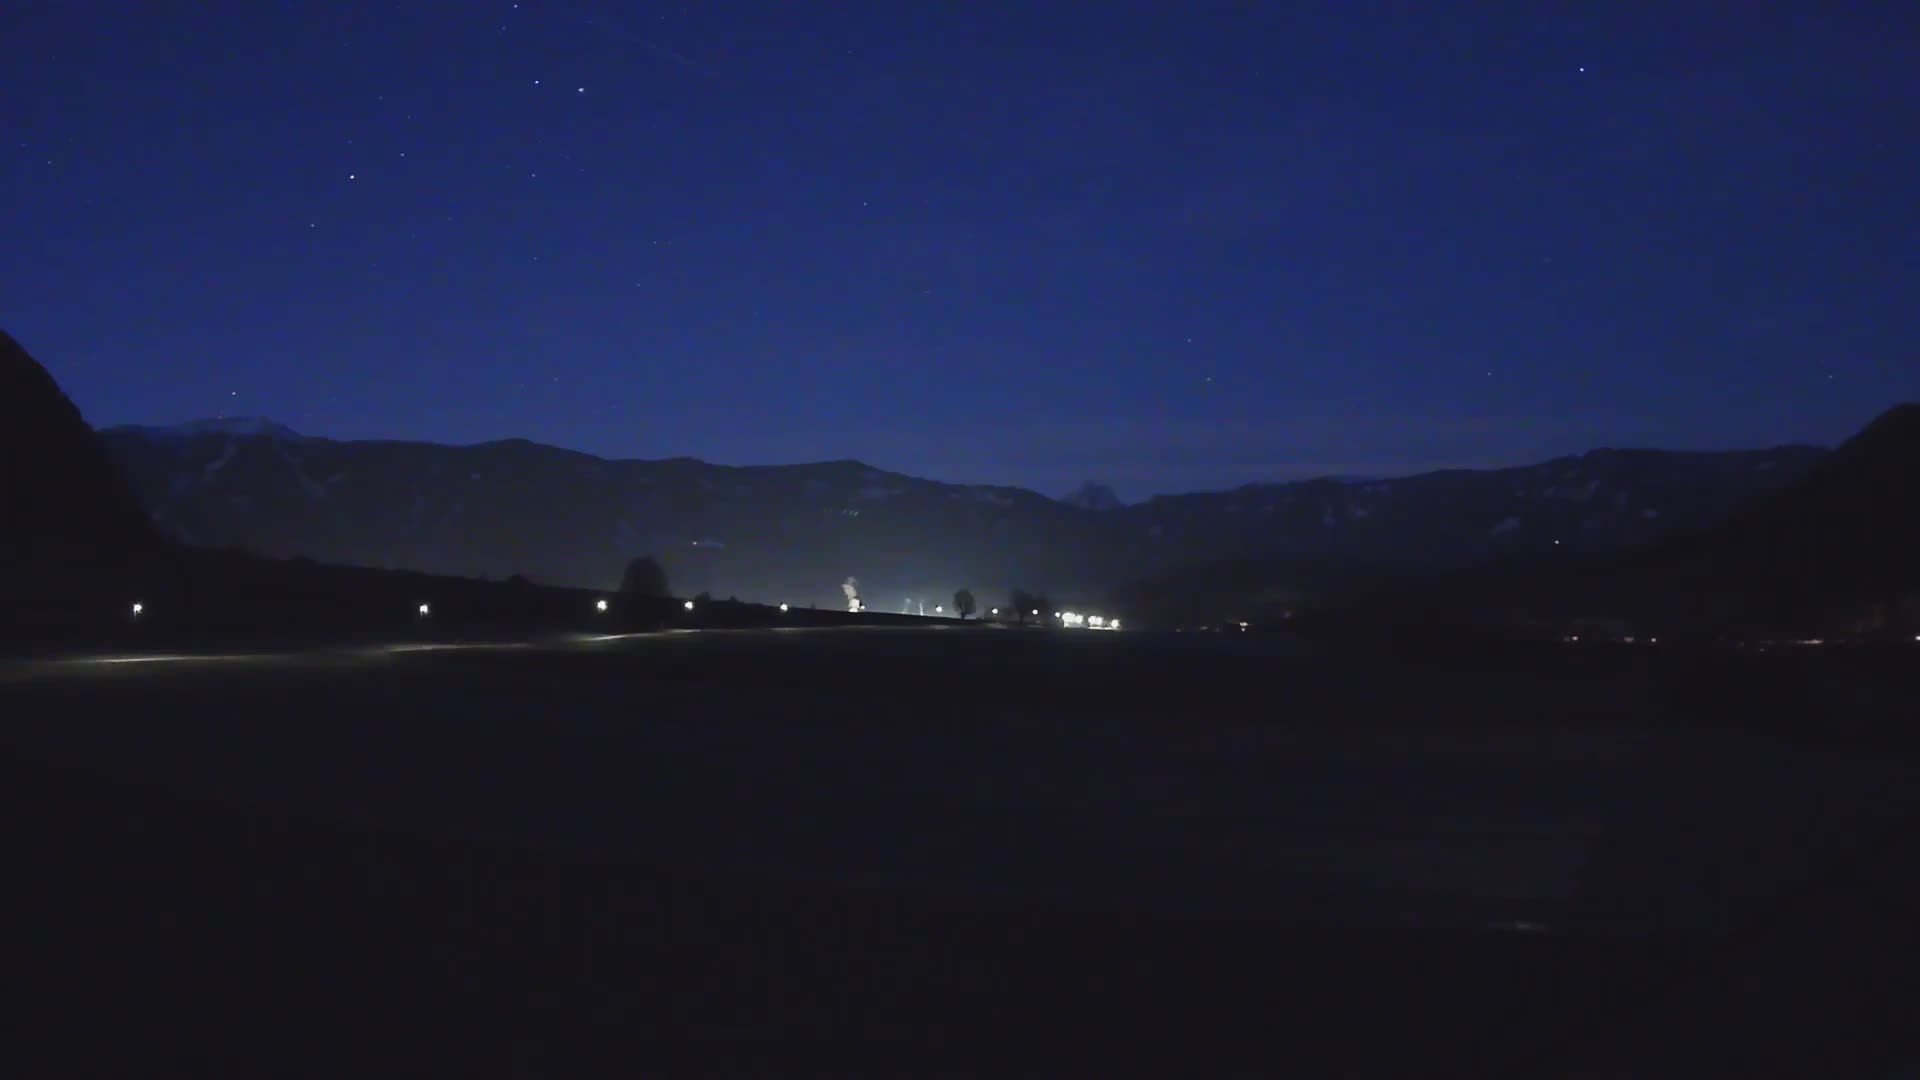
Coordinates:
[795,532]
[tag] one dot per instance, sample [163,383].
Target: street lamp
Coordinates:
[938,609]
[783,609]
[688,605]
[599,605]
[138,607]
[425,610]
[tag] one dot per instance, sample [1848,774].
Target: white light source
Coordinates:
[138,607]
[996,611]
[783,608]
[938,609]
[425,610]
[599,605]
[688,605]
[1096,621]
[1113,624]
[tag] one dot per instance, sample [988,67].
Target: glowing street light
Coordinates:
[600,605]
[996,611]
[783,609]
[425,610]
[138,607]
[1036,613]
[938,609]
[688,605]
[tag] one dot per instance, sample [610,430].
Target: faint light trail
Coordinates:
[447,646]
[171,658]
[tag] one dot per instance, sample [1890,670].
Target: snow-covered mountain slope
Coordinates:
[795,532]
[1093,495]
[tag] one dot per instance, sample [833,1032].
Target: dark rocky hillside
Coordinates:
[68,522]
[1841,549]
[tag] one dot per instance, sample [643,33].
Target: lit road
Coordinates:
[918,759]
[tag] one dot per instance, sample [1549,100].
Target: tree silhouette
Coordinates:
[644,577]
[1022,602]
[963,603]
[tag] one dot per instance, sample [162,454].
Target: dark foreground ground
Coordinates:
[398,862]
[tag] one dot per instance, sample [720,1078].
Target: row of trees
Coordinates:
[1023,604]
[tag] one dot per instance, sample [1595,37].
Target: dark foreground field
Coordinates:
[921,851]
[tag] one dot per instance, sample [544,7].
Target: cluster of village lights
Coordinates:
[1067,618]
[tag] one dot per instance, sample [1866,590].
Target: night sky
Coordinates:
[1166,246]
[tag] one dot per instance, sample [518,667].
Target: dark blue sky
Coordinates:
[1168,246]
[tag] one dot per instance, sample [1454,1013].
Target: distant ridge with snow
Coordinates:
[796,531]
[251,426]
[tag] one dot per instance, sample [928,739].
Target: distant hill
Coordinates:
[70,521]
[795,532]
[1840,547]
[82,565]
[1835,552]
